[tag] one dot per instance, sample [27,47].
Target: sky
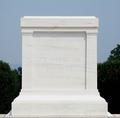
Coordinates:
[108,12]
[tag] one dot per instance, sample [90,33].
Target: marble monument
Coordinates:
[59,67]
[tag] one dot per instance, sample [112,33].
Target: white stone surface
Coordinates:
[59,67]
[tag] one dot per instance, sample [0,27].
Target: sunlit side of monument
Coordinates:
[59,68]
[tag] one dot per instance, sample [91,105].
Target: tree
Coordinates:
[17,74]
[109,80]
[10,85]
[115,54]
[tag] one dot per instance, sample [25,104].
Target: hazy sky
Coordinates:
[108,12]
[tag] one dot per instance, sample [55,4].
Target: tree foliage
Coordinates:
[115,54]
[10,85]
[109,80]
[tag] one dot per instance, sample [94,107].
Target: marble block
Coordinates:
[59,67]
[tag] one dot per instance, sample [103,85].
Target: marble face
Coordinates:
[58,60]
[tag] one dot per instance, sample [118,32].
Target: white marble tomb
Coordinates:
[59,67]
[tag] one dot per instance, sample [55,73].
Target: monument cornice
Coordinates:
[59,21]
[59,24]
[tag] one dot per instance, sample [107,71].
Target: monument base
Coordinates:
[82,104]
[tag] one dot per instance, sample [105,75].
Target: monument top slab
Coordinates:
[59,21]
